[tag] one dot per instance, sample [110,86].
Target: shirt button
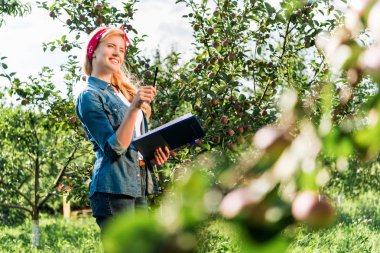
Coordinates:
[138,175]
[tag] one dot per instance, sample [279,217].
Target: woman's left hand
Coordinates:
[161,156]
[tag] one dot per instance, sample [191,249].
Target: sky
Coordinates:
[22,37]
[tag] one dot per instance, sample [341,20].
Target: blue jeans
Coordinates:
[107,205]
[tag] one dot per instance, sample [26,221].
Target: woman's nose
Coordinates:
[115,52]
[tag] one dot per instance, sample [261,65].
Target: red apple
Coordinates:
[210,30]
[24,101]
[237,106]
[224,120]
[98,7]
[215,101]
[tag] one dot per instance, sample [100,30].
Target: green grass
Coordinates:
[357,229]
[57,235]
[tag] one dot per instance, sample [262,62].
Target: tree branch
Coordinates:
[285,37]
[17,207]
[59,177]
[23,195]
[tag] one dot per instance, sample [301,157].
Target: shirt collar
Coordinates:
[98,83]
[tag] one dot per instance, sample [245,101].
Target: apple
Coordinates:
[215,44]
[224,120]
[99,20]
[129,27]
[225,43]
[52,14]
[69,22]
[82,17]
[24,101]
[215,101]
[230,132]
[211,75]
[130,14]
[237,106]
[232,56]
[98,7]
[240,129]
[248,128]
[210,31]
[148,74]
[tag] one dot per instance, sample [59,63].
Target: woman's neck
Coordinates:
[106,77]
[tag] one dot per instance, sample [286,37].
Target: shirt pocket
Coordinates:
[114,113]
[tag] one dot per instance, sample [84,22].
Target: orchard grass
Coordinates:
[57,235]
[357,229]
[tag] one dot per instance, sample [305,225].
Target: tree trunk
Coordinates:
[35,233]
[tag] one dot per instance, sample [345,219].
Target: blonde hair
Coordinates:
[124,81]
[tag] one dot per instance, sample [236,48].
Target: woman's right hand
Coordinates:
[144,94]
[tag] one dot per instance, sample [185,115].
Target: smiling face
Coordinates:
[109,55]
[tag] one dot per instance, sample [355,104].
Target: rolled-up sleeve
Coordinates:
[90,111]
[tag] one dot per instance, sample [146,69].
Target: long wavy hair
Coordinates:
[124,81]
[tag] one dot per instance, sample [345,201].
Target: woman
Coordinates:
[112,112]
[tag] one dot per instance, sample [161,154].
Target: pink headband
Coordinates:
[94,41]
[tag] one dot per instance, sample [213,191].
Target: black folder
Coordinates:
[178,132]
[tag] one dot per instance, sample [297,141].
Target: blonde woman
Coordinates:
[113,111]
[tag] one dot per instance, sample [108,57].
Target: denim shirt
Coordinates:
[116,168]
